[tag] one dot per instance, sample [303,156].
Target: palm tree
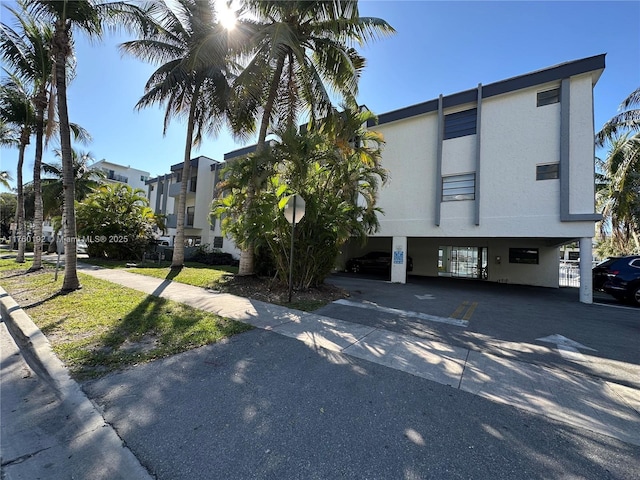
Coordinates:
[192,80]
[89,17]
[618,195]
[86,180]
[16,108]
[28,51]
[303,50]
[627,119]
[8,135]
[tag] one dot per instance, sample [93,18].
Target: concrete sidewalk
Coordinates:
[581,401]
[49,427]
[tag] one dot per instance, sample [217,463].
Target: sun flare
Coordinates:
[226,15]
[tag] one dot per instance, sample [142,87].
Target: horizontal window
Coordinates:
[548,171]
[548,97]
[460,124]
[523,255]
[459,187]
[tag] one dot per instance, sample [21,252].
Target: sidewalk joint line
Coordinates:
[464,367]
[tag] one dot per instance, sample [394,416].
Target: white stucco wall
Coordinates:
[516,136]
[581,150]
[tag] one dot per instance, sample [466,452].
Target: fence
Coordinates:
[570,273]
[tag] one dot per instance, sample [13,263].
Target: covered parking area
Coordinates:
[520,261]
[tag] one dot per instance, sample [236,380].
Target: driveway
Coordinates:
[532,324]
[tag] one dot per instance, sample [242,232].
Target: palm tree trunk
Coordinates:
[38,215]
[20,227]
[247,254]
[178,245]
[62,49]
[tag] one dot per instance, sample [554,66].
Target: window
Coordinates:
[191,211]
[523,255]
[548,171]
[460,124]
[548,97]
[217,242]
[459,187]
[143,178]
[151,188]
[179,176]
[192,185]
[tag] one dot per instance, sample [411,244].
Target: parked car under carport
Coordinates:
[374,262]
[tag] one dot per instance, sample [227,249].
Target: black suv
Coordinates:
[619,277]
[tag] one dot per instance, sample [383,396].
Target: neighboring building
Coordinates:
[201,228]
[490,182]
[115,173]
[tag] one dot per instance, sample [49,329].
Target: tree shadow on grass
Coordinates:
[155,328]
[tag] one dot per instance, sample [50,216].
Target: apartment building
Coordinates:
[488,183]
[201,228]
[116,173]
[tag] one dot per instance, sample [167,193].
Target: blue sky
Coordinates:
[440,47]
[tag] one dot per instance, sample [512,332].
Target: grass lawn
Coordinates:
[104,326]
[192,273]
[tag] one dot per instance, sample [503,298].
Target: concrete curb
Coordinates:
[39,355]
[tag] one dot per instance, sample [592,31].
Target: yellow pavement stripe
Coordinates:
[459,310]
[470,311]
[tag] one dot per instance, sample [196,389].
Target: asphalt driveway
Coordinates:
[520,322]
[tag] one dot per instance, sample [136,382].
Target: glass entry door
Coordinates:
[463,262]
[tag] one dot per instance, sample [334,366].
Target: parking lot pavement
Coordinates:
[542,326]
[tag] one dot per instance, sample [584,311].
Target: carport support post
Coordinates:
[586,264]
[399,260]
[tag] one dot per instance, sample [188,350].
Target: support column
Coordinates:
[399,260]
[586,262]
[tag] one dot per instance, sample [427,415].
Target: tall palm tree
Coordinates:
[89,17]
[303,51]
[618,194]
[192,80]
[28,52]
[86,181]
[627,119]
[16,108]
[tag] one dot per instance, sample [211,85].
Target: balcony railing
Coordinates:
[174,188]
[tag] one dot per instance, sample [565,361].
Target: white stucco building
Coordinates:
[201,228]
[490,182]
[116,173]
[487,183]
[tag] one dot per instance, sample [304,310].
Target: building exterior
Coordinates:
[489,183]
[201,228]
[115,173]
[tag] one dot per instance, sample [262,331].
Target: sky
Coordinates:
[440,47]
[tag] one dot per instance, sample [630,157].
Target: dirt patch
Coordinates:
[266,290]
